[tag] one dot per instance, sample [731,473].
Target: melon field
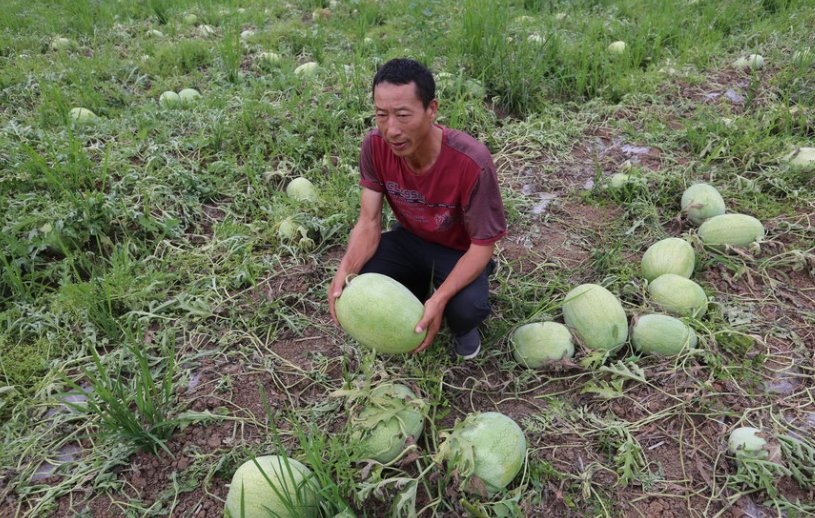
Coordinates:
[163,283]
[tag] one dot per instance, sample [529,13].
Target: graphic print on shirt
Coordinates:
[410,196]
[416,207]
[445,220]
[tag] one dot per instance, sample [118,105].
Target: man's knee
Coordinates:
[466,310]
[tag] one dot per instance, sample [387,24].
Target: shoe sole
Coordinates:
[471,355]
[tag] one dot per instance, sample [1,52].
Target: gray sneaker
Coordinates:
[468,345]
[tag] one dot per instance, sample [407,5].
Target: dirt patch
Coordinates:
[543,178]
[230,411]
[564,239]
[658,507]
[612,153]
[728,86]
[548,243]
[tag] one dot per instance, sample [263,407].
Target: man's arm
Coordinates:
[362,243]
[468,267]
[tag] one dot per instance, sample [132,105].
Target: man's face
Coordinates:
[403,120]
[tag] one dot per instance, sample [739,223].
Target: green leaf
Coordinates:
[630,371]
[603,389]
[404,504]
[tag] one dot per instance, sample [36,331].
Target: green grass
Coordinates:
[132,399]
[166,221]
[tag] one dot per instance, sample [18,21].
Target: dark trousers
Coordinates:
[419,265]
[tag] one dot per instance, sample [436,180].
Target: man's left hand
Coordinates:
[431,320]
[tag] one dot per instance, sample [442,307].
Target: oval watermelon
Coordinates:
[380,313]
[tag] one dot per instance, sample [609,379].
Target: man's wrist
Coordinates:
[343,273]
[441,297]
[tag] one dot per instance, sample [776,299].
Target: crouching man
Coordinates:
[442,187]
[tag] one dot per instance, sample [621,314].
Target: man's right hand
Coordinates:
[334,291]
[362,244]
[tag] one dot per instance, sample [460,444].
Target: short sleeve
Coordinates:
[369,177]
[484,212]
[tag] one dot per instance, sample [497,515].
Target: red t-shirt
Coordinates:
[456,203]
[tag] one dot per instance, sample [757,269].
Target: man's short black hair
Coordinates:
[405,71]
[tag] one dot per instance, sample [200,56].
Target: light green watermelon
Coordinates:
[381,429]
[380,313]
[701,201]
[536,343]
[662,335]
[488,445]
[737,230]
[596,317]
[671,255]
[679,296]
[272,485]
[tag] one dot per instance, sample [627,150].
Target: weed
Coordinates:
[231,53]
[184,57]
[130,405]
